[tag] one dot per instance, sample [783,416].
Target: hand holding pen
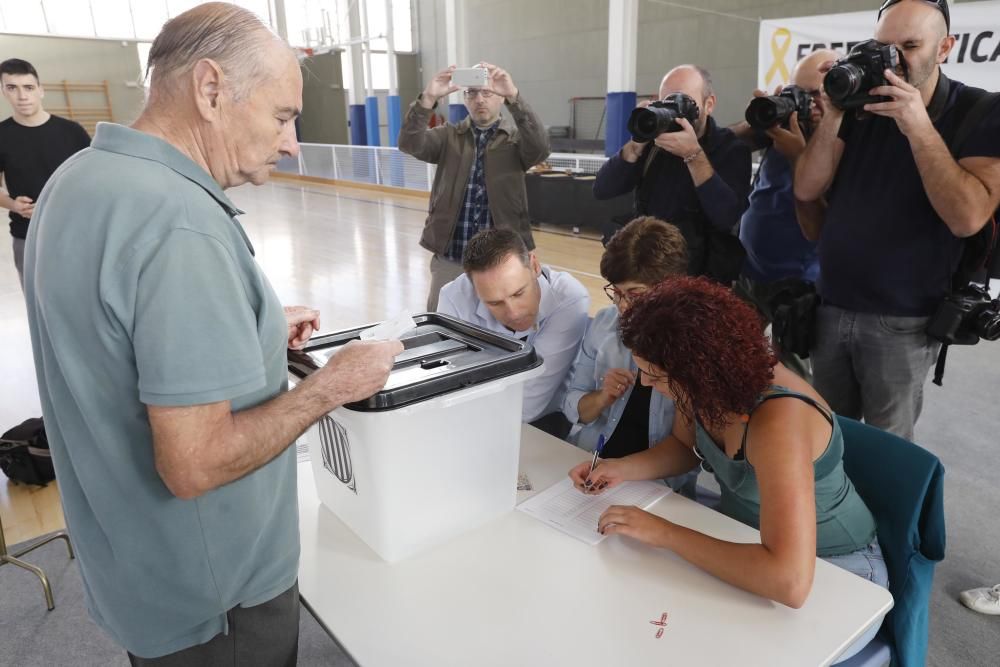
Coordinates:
[594,476]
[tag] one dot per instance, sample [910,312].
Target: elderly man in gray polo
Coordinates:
[160,352]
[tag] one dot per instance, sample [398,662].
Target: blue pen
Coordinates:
[597,452]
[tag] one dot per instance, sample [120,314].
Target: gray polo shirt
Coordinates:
[142,290]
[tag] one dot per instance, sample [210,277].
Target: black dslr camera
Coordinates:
[966,316]
[659,117]
[849,80]
[763,113]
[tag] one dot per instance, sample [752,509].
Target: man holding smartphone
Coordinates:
[479,182]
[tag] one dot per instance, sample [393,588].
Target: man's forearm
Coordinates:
[241,442]
[700,167]
[6,201]
[810,216]
[816,167]
[414,136]
[961,200]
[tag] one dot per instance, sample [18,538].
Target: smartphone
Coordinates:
[471,77]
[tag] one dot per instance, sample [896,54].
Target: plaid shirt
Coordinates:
[475,214]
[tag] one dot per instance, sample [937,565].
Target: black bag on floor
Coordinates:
[24,453]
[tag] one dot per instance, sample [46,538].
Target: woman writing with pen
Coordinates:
[605,401]
[770,440]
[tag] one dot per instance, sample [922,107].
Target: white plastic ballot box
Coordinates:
[434,453]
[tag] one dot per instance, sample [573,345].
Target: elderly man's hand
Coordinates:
[302,322]
[906,106]
[683,143]
[500,82]
[359,369]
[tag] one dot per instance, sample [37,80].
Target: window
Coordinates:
[23,16]
[69,17]
[149,18]
[112,18]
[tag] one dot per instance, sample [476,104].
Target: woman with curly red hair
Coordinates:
[770,440]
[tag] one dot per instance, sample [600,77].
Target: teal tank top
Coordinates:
[843,521]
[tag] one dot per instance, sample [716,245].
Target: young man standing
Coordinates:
[33,143]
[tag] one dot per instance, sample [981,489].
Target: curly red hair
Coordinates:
[709,343]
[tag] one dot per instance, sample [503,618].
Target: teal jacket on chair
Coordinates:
[903,486]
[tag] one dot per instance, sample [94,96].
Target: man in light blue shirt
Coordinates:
[160,351]
[505,289]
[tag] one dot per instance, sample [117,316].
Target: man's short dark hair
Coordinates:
[646,250]
[18,66]
[490,247]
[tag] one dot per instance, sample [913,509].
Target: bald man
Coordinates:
[778,249]
[160,349]
[899,205]
[697,179]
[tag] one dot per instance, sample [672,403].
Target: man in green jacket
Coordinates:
[480,161]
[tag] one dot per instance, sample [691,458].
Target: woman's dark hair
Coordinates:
[646,250]
[709,343]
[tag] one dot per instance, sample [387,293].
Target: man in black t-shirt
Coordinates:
[898,206]
[33,143]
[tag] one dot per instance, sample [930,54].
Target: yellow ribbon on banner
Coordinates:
[779,51]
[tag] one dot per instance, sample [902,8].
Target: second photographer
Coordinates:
[780,235]
[686,170]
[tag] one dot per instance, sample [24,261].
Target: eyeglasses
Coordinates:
[470,93]
[617,296]
[942,6]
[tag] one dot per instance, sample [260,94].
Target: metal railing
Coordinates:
[379,165]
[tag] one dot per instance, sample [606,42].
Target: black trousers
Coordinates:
[266,635]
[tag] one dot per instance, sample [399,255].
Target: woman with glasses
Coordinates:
[604,397]
[771,441]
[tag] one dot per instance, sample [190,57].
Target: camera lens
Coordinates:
[642,124]
[647,124]
[988,324]
[765,112]
[842,81]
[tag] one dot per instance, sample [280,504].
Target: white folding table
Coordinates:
[518,592]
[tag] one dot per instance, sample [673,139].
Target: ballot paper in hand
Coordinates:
[575,513]
[390,329]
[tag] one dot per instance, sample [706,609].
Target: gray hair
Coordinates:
[225,33]
[707,88]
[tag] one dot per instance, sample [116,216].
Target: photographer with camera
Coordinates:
[899,205]
[686,170]
[781,255]
[479,182]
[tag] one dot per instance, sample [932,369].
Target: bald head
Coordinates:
[692,80]
[235,39]
[807,74]
[918,14]
[696,83]
[919,31]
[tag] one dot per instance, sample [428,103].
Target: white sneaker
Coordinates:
[983,600]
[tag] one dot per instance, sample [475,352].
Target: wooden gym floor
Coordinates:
[351,253]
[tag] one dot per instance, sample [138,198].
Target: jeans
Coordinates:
[873,367]
[869,564]
[19,259]
[443,271]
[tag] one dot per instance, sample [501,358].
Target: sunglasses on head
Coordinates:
[942,6]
